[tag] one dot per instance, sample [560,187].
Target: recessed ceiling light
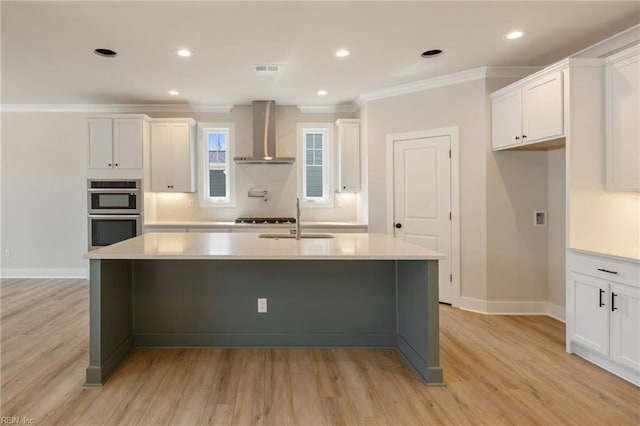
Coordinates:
[184,52]
[107,53]
[321,92]
[432,53]
[174,92]
[342,53]
[514,35]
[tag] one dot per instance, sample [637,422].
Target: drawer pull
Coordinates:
[600,302]
[613,302]
[607,271]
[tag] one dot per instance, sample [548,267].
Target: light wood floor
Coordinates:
[498,370]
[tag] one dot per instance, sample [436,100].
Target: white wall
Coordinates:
[556,231]
[462,105]
[279,180]
[44,219]
[44,202]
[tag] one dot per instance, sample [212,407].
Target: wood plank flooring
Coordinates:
[498,370]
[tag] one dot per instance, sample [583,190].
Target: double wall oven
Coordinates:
[115,211]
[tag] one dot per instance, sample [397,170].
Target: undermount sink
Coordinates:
[289,236]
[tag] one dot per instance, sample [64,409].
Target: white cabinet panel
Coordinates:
[623,121]
[115,143]
[528,112]
[591,317]
[542,109]
[100,146]
[127,143]
[625,326]
[173,156]
[348,155]
[506,120]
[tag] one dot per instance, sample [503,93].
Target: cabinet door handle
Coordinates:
[109,164]
[116,164]
[398,225]
[607,271]
[524,136]
[613,302]
[600,302]
[517,138]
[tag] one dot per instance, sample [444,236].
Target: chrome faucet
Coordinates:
[297,218]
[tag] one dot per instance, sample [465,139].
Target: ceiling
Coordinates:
[47,47]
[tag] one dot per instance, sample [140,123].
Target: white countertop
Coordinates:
[248,246]
[214,224]
[629,254]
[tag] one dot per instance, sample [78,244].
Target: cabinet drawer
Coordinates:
[605,268]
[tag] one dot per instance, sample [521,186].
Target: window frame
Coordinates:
[203,170]
[328,178]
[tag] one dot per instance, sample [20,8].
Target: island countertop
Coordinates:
[188,245]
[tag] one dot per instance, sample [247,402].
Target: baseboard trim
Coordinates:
[44,273]
[501,307]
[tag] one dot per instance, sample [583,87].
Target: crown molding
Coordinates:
[429,83]
[448,80]
[114,108]
[511,72]
[313,109]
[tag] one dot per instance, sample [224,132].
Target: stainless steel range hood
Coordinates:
[264,136]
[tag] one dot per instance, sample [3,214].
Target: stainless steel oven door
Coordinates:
[109,229]
[113,201]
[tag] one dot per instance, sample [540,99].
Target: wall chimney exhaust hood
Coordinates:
[264,136]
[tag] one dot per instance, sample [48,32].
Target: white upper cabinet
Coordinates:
[506,120]
[542,109]
[115,143]
[623,120]
[348,155]
[528,112]
[173,156]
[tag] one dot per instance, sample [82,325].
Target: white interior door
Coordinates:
[422,199]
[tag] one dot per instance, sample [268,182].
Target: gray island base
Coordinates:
[192,290]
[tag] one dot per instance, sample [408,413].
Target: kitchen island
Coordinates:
[202,289]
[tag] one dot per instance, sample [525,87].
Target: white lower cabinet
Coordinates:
[591,313]
[603,313]
[625,331]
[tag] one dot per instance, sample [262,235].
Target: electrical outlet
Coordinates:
[191,203]
[7,252]
[262,305]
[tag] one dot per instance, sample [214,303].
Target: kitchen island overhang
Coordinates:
[201,290]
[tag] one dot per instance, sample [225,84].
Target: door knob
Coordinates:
[398,225]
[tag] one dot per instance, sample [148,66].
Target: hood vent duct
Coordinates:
[264,136]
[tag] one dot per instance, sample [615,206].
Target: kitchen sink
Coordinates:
[289,236]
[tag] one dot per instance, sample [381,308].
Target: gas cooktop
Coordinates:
[259,220]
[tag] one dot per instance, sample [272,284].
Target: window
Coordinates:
[217,166]
[315,168]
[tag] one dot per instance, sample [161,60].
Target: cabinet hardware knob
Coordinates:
[517,138]
[116,164]
[608,271]
[524,136]
[109,164]
[613,302]
[600,303]
[398,225]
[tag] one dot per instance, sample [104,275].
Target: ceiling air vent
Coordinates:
[266,68]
